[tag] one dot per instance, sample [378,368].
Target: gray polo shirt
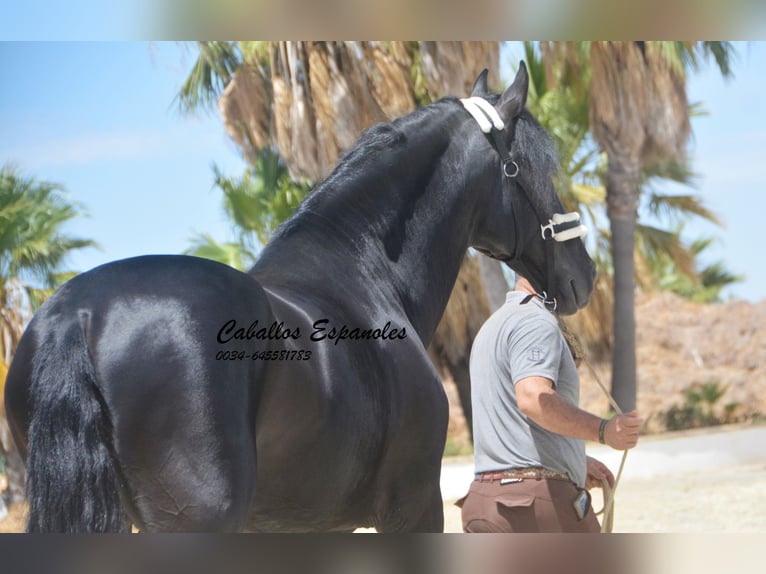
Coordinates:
[516,342]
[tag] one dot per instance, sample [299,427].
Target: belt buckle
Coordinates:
[504,481]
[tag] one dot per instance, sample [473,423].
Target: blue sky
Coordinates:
[100,118]
[77,19]
[728,149]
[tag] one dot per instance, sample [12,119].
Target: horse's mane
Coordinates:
[390,139]
[541,161]
[369,162]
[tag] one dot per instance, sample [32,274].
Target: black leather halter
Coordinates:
[560,227]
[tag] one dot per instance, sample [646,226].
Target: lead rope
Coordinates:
[607,521]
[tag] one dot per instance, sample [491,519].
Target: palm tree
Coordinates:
[32,252]
[310,101]
[638,113]
[564,111]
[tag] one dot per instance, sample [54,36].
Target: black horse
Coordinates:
[176,393]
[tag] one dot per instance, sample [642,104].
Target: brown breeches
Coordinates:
[544,505]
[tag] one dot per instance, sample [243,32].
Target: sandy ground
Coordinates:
[725,493]
[14,522]
[704,480]
[730,500]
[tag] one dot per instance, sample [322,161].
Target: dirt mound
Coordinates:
[697,362]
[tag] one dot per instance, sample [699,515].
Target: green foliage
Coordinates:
[32,213]
[679,207]
[214,68]
[256,203]
[701,283]
[33,249]
[256,53]
[263,198]
[692,54]
[423,95]
[698,408]
[233,254]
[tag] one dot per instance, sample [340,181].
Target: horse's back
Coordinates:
[145,309]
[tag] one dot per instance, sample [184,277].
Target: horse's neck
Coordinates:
[423,246]
[398,240]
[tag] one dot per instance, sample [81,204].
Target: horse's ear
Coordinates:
[480,85]
[514,98]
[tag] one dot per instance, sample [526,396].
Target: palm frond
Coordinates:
[213,70]
[31,216]
[589,194]
[32,248]
[724,55]
[716,275]
[538,84]
[663,248]
[257,53]
[677,170]
[263,197]
[232,254]
[698,110]
[680,206]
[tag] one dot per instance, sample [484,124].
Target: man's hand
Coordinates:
[621,431]
[597,472]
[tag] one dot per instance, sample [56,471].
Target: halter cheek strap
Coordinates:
[561,226]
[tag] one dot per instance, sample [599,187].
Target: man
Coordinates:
[529,434]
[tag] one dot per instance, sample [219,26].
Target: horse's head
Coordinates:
[520,219]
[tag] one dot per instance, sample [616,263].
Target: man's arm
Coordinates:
[537,399]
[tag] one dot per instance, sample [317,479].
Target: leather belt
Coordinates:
[532,472]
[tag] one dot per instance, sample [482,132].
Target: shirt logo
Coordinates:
[536,354]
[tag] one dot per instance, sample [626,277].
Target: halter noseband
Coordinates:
[561,226]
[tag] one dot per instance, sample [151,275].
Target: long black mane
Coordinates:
[386,163]
[540,160]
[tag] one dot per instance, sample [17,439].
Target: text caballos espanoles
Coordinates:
[322,329]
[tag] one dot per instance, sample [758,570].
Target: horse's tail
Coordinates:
[71,479]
